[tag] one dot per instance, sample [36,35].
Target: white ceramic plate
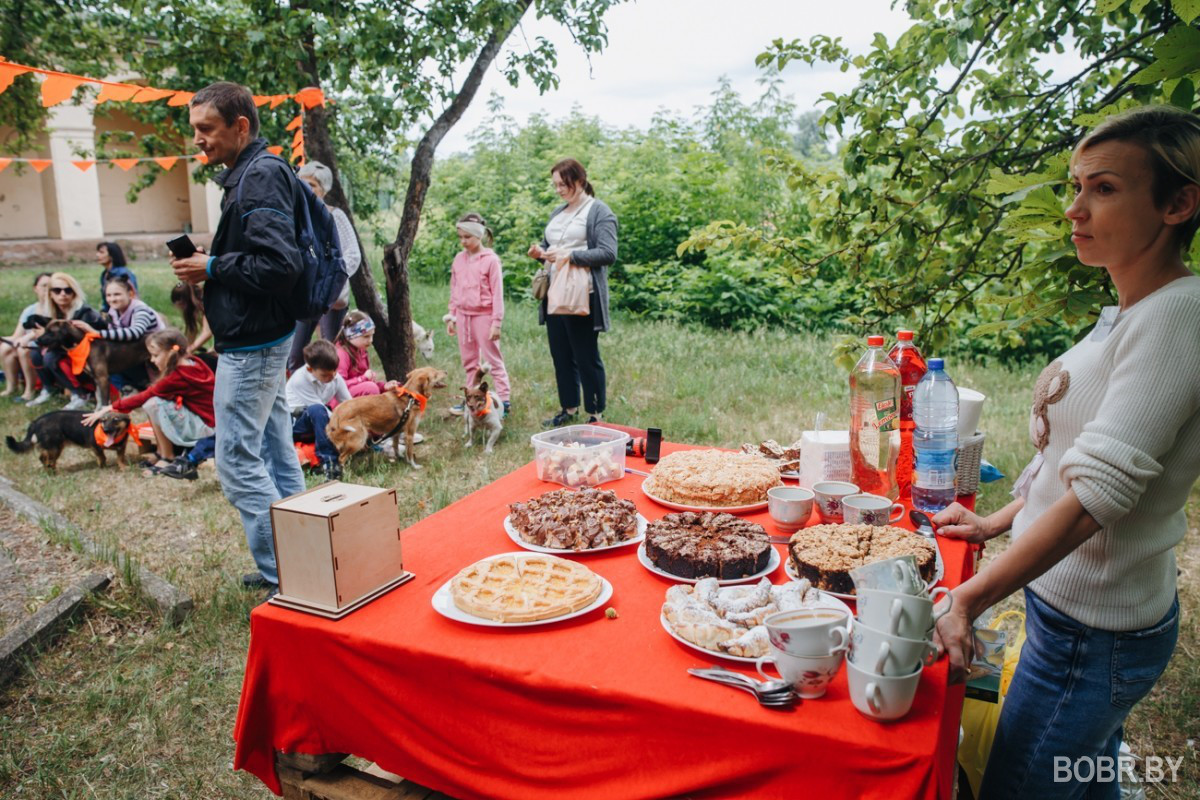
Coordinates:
[793,475]
[701,509]
[644,560]
[826,601]
[537,548]
[939,572]
[443,603]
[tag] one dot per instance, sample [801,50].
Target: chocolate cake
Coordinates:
[707,545]
[574,520]
[825,554]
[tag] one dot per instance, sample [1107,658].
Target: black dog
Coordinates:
[54,431]
[105,357]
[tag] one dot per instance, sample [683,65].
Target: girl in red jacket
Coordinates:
[179,404]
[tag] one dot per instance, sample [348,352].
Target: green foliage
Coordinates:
[947,207]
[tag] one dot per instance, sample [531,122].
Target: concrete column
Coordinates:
[205,199]
[76,193]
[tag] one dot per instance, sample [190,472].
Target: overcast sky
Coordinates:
[670,53]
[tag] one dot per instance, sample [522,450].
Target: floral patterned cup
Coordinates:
[809,631]
[870,509]
[829,499]
[808,675]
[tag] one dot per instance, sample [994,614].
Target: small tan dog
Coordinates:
[384,415]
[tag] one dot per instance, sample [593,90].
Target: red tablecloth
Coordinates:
[586,708]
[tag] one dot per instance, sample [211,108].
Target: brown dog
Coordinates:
[104,358]
[387,414]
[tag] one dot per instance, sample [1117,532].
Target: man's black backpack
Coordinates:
[324,274]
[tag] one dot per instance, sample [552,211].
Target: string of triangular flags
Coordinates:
[57,87]
[84,164]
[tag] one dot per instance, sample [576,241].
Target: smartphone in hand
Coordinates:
[181,246]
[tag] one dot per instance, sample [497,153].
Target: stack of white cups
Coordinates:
[891,641]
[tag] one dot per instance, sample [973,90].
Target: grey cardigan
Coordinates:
[600,254]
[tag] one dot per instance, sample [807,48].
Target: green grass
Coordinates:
[123,707]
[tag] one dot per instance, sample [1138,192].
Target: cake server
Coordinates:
[922,521]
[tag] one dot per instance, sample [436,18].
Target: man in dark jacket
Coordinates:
[254,264]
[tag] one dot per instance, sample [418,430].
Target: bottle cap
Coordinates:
[874,341]
[937,363]
[904,336]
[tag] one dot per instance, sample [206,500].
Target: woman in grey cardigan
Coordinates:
[581,233]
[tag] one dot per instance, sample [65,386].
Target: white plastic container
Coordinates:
[580,455]
[970,409]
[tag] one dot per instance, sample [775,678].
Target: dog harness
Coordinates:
[487,409]
[104,440]
[413,399]
[78,355]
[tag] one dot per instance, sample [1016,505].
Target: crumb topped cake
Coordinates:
[701,545]
[825,554]
[712,478]
[574,520]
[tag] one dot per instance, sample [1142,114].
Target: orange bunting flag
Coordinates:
[296,122]
[57,88]
[298,138]
[181,98]
[277,99]
[166,162]
[40,164]
[7,73]
[202,158]
[276,149]
[84,165]
[115,91]
[310,97]
[126,163]
[4,162]
[148,95]
[261,99]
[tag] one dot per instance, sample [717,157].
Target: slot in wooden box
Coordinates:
[337,547]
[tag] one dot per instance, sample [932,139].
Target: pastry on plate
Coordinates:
[699,544]
[524,588]
[825,554]
[712,479]
[574,520]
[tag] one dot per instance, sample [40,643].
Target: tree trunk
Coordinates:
[393,337]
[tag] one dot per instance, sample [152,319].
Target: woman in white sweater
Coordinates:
[1116,421]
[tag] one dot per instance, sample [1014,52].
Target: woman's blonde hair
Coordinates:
[173,341]
[79,302]
[1171,139]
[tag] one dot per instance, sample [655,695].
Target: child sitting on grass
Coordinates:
[179,405]
[354,360]
[309,392]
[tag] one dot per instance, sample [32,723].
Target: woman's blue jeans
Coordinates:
[1068,700]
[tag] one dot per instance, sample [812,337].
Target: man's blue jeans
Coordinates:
[1068,700]
[256,462]
[309,426]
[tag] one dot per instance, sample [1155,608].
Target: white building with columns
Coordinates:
[63,212]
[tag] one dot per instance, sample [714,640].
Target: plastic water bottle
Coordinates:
[935,439]
[912,367]
[874,416]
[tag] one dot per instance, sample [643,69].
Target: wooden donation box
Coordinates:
[337,547]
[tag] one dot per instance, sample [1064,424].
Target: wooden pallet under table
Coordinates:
[325,777]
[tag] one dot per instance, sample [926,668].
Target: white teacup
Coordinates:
[829,499]
[808,675]
[790,507]
[910,616]
[899,574]
[884,654]
[870,509]
[809,631]
[882,697]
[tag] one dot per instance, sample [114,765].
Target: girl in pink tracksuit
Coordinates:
[477,304]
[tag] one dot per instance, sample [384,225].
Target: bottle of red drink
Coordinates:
[874,413]
[905,355]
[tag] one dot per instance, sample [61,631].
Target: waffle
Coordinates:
[524,588]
